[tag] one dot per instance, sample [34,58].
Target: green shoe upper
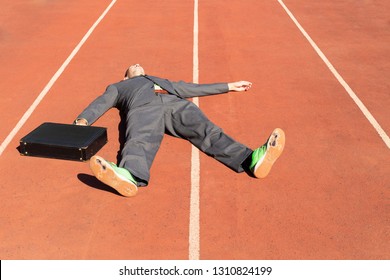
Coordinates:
[124,172]
[257,155]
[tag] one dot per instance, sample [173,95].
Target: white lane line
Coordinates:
[351,93]
[43,93]
[194,228]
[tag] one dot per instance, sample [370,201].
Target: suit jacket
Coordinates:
[139,91]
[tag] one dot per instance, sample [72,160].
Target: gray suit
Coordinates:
[149,115]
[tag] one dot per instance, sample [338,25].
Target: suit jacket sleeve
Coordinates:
[100,105]
[187,90]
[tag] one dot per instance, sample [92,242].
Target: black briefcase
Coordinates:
[63,141]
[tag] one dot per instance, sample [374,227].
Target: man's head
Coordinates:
[134,71]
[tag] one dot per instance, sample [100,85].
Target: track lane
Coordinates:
[326,196]
[56,209]
[356,38]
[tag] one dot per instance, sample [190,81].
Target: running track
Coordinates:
[326,198]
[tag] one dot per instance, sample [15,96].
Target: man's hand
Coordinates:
[81,122]
[239,86]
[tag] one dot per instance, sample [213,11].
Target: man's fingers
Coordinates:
[244,85]
[240,86]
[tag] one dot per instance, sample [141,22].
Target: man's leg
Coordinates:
[143,136]
[144,132]
[186,120]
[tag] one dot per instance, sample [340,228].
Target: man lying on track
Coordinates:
[154,106]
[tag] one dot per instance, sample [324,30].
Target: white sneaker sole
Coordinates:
[275,146]
[106,174]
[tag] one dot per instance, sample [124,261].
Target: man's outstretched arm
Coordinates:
[98,107]
[186,90]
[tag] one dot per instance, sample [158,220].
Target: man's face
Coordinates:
[135,70]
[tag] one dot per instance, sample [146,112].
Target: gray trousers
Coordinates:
[146,126]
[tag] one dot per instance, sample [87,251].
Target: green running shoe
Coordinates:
[116,177]
[265,156]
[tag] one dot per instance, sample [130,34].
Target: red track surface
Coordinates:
[326,198]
